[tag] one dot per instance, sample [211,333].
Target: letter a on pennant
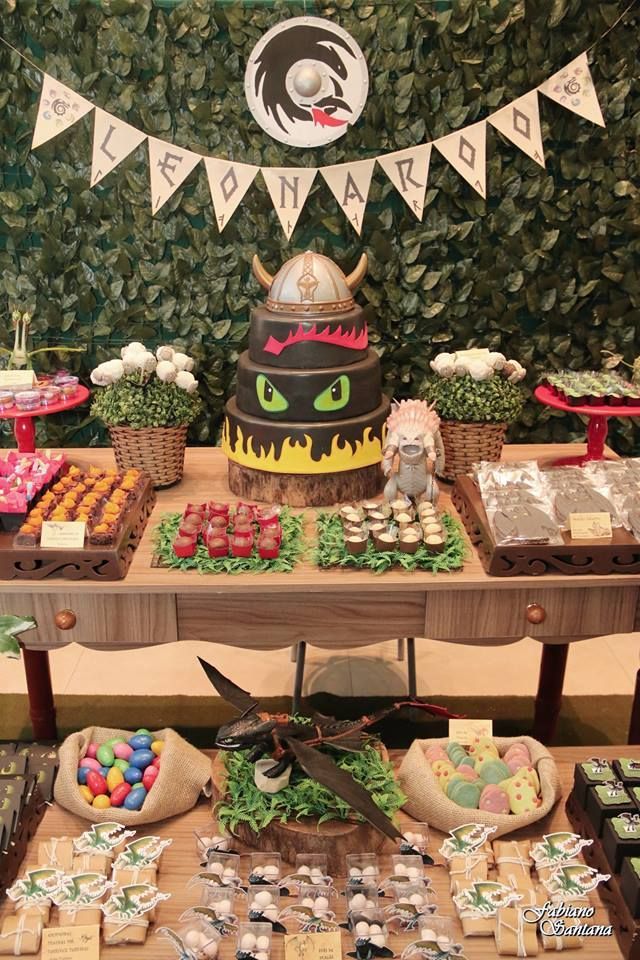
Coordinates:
[169,166]
[113,140]
[349,183]
[288,188]
[573,88]
[519,122]
[228,183]
[408,171]
[466,151]
[59,109]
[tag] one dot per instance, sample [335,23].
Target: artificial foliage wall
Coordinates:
[545,270]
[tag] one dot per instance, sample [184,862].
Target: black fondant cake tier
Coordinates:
[333,393]
[304,448]
[289,341]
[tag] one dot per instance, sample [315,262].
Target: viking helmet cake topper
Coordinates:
[306,81]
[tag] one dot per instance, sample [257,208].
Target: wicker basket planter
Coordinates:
[159,451]
[468,443]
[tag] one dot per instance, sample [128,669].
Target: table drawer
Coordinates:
[269,622]
[470,615]
[101,621]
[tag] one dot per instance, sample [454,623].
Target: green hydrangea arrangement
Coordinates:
[145,390]
[481,389]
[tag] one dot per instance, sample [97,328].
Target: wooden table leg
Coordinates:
[553,663]
[42,709]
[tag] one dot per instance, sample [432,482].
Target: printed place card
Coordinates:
[65,535]
[313,946]
[17,378]
[71,943]
[464,731]
[590,526]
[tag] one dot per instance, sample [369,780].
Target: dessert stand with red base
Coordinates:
[25,429]
[597,427]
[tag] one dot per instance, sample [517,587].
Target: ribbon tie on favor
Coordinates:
[518,932]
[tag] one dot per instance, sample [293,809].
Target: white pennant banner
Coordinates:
[349,183]
[59,109]
[573,88]
[466,151]
[288,188]
[519,121]
[228,182]
[169,166]
[408,171]
[113,140]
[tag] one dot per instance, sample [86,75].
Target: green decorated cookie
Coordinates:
[464,793]
[494,771]
[452,746]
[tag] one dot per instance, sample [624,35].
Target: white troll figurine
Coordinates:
[414,436]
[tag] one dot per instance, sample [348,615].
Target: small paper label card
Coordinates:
[590,526]
[61,943]
[465,731]
[66,535]
[17,378]
[313,946]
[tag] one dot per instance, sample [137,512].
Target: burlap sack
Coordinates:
[428,804]
[184,772]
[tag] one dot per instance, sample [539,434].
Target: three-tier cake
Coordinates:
[306,424]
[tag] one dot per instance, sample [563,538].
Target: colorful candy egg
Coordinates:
[142,730]
[86,793]
[157,746]
[140,741]
[122,751]
[105,755]
[82,775]
[89,762]
[103,771]
[141,758]
[96,783]
[135,799]
[149,777]
[114,740]
[121,764]
[92,749]
[119,794]
[156,762]
[101,802]
[133,775]
[114,778]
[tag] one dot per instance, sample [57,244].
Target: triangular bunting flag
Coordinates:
[289,188]
[573,88]
[59,109]
[349,183]
[113,140]
[466,151]
[228,182]
[519,121]
[169,166]
[408,171]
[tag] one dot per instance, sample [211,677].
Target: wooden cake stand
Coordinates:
[24,428]
[597,427]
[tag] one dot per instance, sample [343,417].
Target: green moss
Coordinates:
[154,404]
[304,797]
[474,401]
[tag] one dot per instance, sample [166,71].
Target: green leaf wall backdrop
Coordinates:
[547,269]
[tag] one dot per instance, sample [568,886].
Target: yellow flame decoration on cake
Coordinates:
[295,456]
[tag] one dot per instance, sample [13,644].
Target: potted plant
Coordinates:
[148,403]
[477,394]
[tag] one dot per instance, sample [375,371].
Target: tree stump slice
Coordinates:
[335,838]
[305,490]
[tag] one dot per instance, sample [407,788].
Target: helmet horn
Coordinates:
[262,276]
[357,275]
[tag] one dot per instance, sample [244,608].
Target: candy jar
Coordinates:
[254,940]
[317,899]
[368,928]
[222,900]
[314,867]
[411,902]
[226,866]
[407,868]
[68,386]
[416,839]
[265,868]
[362,897]
[263,902]
[210,838]
[200,937]
[362,868]
[6,399]
[435,937]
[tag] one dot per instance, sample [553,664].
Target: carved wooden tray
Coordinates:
[626,928]
[90,563]
[621,554]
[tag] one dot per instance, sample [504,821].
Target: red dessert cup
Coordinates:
[190,527]
[199,509]
[245,510]
[218,546]
[268,548]
[241,547]
[184,546]
[218,509]
[242,534]
[218,522]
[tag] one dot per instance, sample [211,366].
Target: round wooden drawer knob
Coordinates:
[536,613]
[65,619]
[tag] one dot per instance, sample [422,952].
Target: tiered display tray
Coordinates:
[621,554]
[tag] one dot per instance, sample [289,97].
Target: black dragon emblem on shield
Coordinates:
[311,43]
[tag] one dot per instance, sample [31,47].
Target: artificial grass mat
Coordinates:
[584,720]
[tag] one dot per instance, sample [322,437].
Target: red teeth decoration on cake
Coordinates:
[339,337]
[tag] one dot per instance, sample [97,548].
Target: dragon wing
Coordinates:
[320,767]
[228,690]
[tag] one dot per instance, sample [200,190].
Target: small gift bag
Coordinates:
[20,935]
[515,936]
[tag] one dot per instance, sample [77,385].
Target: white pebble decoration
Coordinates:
[262,943]
[401,870]
[192,938]
[354,872]
[322,903]
[427,934]
[271,913]
[270,871]
[217,867]
[262,899]
[317,875]
[228,872]
[362,928]
[416,899]
[248,942]
[308,902]
[413,873]
[222,907]
[443,942]
[375,928]
[358,902]
[304,871]
[369,872]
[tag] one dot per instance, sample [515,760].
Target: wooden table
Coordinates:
[334,609]
[179,864]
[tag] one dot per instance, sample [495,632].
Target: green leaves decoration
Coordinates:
[474,401]
[153,404]
[544,270]
[11,628]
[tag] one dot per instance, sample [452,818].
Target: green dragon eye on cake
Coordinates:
[335,396]
[269,396]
